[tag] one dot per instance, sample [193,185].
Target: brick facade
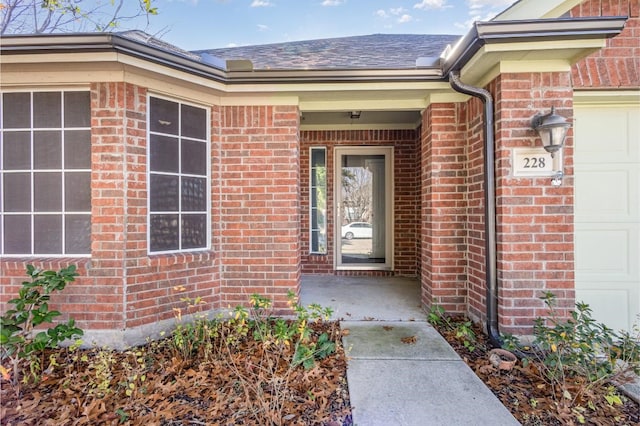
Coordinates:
[254,220]
[444,207]
[534,219]
[618,64]
[259,202]
[259,171]
[406,195]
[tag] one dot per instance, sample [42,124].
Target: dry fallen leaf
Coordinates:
[387,327]
[346,332]
[409,340]
[5,373]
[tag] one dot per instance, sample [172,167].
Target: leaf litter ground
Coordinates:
[531,399]
[89,387]
[150,385]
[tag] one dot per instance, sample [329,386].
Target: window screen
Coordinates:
[45,173]
[178,176]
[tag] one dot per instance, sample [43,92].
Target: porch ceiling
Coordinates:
[367,120]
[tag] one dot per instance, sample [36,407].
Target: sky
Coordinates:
[207,24]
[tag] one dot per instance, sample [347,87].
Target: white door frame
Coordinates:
[339,152]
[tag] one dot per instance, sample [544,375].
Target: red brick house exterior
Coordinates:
[258,182]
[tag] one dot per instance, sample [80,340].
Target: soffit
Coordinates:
[535,56]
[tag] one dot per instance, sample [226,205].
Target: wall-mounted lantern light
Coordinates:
[552,129]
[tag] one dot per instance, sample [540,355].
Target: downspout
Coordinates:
[493,331]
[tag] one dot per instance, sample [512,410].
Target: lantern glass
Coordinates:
[552,129]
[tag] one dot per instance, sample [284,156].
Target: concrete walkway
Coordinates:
[400,370]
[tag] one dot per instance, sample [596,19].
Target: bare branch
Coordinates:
[47,16]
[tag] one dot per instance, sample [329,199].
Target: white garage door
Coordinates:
[607,212]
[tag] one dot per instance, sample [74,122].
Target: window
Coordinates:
[45,174]
[178,176]
[318,204]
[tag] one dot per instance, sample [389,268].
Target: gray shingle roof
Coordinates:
[149,40]
[377,51]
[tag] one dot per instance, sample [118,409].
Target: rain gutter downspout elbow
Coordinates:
[489,204]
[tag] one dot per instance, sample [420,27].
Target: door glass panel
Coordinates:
[362,210]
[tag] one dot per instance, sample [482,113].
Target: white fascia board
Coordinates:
[536,9]
[163,70]
[259,99]
[604,98]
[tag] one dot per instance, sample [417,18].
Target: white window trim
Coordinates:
[32,213]
[180,175]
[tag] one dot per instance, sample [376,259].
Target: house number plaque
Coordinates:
[535,162]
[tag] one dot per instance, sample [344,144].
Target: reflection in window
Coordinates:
[178,176]
[45,173]
[318,204]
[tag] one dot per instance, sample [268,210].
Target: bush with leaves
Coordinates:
[461,330]
[577,353]
[19,342]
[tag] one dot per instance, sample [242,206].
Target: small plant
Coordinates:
[31,309]
[190,337]
[436,316]
[123,416]
[463,331]
[285,346]
[101,369]
[576,354]
[134,366]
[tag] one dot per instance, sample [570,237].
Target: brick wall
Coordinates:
[476,276]
[259,202]
[120,287]
[155,284]
[534,218]
[406,195]
[618,64]
[444,207]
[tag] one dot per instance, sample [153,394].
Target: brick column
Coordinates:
[443,213]
[259,203]
[108,195]
[534,218]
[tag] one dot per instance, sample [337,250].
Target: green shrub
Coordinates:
[31,309]
[576,354]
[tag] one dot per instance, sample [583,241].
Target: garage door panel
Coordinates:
[615,304]
[607,211]
[605,191]
[598,143]
[610,252]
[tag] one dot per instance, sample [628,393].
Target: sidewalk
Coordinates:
[421,383]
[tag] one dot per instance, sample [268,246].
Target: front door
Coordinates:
[364,208]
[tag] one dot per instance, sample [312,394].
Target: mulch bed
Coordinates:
[96,387]
[99,387]
[530,398]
